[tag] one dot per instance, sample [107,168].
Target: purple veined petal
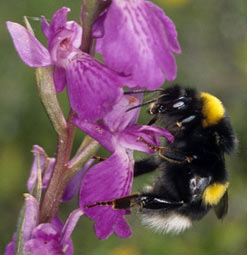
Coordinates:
[42,247]
[99,132]
[60,46]
[118,119]
[105,181]
[73,186]
[93,89]
[45,240]
[168,64]
[98,27]
[65,43]
[75,39]
[67,246]
[57,223]
[62,36]
[129,138]
[30,50]
[129,54]
[134,42]
[59,20]
[43,163]
[45,26]
[70,225]
[40,161]
[48,172]
[31,216]
[169,35]
[59,77]
[46,231]
[30,222]
[112,222]
[122,228]
[159,131]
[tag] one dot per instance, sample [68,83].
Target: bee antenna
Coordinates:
[145,103]
[140,105]
[137,91]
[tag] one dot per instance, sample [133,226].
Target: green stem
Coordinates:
[63,169]
[89,13]
[60,176]
[84,153]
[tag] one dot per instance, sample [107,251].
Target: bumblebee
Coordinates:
[192,175]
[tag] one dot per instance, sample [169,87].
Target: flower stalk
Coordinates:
[64,170]
[89,13]
[60,176]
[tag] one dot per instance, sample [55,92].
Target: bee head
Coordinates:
[173,100]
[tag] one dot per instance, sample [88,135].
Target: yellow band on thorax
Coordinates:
[212,110]
[214,192]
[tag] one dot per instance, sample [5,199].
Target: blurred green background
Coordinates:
[212,36]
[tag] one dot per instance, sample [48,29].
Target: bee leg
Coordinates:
[98,158]
[175,156]
[152,121]
[143,201]
[145,166]
[168,154]
[151,202]
[121,203]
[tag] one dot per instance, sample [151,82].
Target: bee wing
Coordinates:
[222,207]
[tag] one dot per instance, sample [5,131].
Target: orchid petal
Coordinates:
[65,42]
[105,181]
[44,241]
[45,26]
[59,77]
[62,36]
[169,33]
[118,119]
[122,228]
[97,131]
[30,50]
[138,40]
[98,26]
[60,46]
[75,39]
[31,217]
[59,20]
[70,225]
[48,172]
[74,184]
[46,238]
[130,137]
[39,162]
[93,89]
